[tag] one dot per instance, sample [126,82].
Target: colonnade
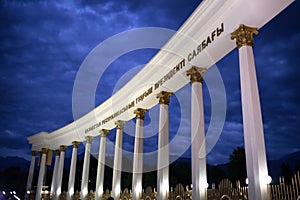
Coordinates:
[253,136]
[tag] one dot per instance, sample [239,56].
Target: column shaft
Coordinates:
[138,160]
[60,171]
[86,168]
[72,171]
[54,176]
[41,175]
[31,171]
[116,182]
[199,175]
[163,153]
[257,171]
[101,166]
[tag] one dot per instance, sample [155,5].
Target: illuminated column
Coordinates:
[138,155]
[41,175]
[60,170]
[31,171]
[101,164]
[86,167]
[54,176]
[163,146]
[257,170]
[199,174]
[116,182]
[72,170]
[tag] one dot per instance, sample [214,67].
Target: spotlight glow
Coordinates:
[206,185]
[266,179]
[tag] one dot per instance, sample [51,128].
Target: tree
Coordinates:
[150,179]
[215,174]
[297,168]
[180,172]
[237,165]
[286,173]
[14,179]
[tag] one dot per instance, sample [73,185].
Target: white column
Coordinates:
[101,164]
[31,171]
[41,174]
[257,170]
[86,167]
[54,176]
[199,174]
[163,146]
[116,182]
[72,170]
[138,155]
[60,171]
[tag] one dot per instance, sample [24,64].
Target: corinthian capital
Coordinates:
[120,124]
[195,74]
[164,97]
[104,132]
[140,113]
[89,139]
[244,35]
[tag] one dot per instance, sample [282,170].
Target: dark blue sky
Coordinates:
[43,43]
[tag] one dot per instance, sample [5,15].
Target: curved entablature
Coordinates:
[201,41]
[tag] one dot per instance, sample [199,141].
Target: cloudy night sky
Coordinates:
[43,43]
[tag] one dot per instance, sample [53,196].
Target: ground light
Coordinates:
[266,180]
[207,185]
[9,196]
